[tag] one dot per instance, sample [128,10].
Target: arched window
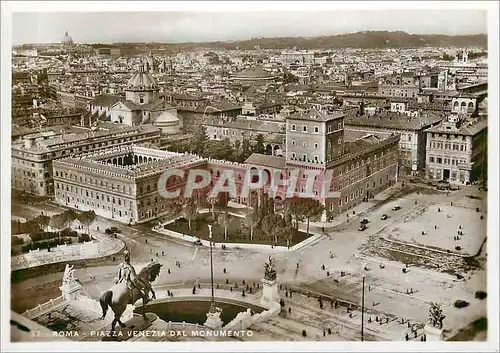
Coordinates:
[455,105]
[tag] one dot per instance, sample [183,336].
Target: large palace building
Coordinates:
[122,182]
[32,156]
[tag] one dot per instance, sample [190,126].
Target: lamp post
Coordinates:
[362,308]
[212,303]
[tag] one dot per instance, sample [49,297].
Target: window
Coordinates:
[304,128]
[431,159]
[304,157]
[293,155]
[439,160]
[293,142]
[340,126]
[304,144]
[329,129]
[409,137]
[316,145]
[316,158]
[293,127]
[339,141]
[316,129]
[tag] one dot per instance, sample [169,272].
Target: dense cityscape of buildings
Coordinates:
[371,116]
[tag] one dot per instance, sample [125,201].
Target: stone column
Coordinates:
[433,333]
[71,290]
[270,294]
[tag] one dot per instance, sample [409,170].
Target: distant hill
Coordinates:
[366,40]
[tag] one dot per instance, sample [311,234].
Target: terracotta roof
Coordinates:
[315,115]
[106,100]
[394,121]
[254,73]
[266,161]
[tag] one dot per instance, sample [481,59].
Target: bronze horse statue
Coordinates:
[119,296]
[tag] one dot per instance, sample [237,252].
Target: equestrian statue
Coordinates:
[129,288]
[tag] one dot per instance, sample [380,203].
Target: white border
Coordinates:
[493,147]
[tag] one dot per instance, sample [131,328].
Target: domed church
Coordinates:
[143,105]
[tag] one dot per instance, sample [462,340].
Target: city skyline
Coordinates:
[184,27]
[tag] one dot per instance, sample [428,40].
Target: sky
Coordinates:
[176,27]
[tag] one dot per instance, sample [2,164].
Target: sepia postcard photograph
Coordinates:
[249,176]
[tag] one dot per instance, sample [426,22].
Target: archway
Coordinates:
[136,159]
[140,159]
[114,161]
[150,159]
[120,161]
[276,148]
[269,149]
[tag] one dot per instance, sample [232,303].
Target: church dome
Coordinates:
[168,123]
[67,39]
[142,81]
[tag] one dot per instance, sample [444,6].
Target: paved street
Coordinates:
[342,249]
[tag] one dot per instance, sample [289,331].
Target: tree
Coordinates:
[199,140]
[246,150]
[259,144]
[224,220]
[294,207]
[212,201]
[312,210]
[189,210]
[43,221]
[57,221]
[272,226]
[69,216]
[251,220]
[86,218]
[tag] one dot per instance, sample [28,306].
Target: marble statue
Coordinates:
[270,270]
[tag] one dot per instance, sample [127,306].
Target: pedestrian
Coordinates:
[286,294]
[328,273]
[194,289]
[217,285]
[156,254]
[369,288]
[323,267]
[243,293]
[146,241]
[168,271]
[350,315]
[163,253]
[199,285]
[231,289]
[435,227]
[114,258]
[451,203]
[336,305]
[224,270]
[152,259]
[415,334]
[329,331]
[324,333]
[297,265]
[376,318]
[406,337]
[289,309]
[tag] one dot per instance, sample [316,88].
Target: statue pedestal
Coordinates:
[214,321]
[70,290]
[270,294]
[433,333]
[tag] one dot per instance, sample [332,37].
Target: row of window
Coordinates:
[448,146]
[447,136]
[316,128]
[87,193]
[446,160]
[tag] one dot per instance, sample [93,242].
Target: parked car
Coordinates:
[112,230]
[396,208]
[365,221]
[480,294]
[454,187]
[384,217]
[461,304]
[362,227]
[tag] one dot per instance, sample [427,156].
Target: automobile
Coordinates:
[362,227]
[396,208]
[384,217]
[112,230]
[480,294]
[454,187]
[365,221]
[461,304]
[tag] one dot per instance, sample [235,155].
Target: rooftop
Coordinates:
[254,73]
[468,127]
[394,121]
[316,115]
[266,160]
